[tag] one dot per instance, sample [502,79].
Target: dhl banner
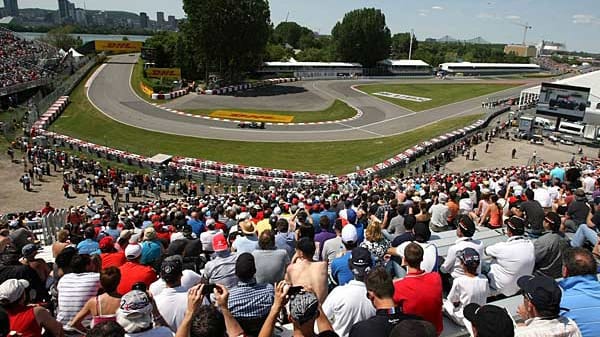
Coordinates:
[174,73]
[118,46]
[250,116]
[148,91]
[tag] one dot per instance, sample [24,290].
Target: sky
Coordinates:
[575,22]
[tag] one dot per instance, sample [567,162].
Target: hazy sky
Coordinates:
[575,22]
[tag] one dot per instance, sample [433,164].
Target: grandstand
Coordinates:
[478,69]
[406,67]
[313,69]
[24,64]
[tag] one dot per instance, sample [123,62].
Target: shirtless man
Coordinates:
[303,271]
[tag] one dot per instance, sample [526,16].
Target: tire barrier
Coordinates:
[234,172]
[246,86]
[172,94]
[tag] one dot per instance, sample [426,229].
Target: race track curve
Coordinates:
[110,91]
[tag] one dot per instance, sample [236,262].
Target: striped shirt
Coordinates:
[74,290]
[250,300]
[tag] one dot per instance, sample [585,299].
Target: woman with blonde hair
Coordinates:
[375,241]
[62,241]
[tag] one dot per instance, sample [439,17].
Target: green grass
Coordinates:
[137,77]
[83,121]
[440,94]
[337,110]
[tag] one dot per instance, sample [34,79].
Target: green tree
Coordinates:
[60,38]
[401,45]
[276,52]
[362,36]
[165,44]
[230,35]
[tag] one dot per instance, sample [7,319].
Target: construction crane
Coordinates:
[526,27]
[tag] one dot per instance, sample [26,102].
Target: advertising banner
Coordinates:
[171,73]
[118,46]
[565,101]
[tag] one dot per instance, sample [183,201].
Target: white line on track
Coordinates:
[361,129]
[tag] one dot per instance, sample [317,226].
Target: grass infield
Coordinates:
[81,120]
[439,93]
[337,110]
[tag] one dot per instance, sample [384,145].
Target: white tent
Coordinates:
[75,53]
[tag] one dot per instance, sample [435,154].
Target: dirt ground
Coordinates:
[14,198]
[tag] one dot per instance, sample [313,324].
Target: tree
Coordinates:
[230,35]
[362,36]
[293,34]
[401,45]
[165,44]
[276,52]
[60,38]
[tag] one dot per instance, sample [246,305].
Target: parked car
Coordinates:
[537,140]
[566,140]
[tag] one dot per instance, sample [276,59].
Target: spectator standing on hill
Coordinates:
[581,290]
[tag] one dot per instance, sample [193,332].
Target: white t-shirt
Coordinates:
[172,303]
[452,263]
[511,260]
[429,254]
[347,305]
[542,196]
[467,290]
[189,279]
[206,239]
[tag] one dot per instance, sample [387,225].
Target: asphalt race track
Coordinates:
[111,93]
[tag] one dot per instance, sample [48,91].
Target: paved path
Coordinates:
[111,92]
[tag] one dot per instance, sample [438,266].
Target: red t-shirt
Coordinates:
[132,273]
[22,320]
[421,294]
[115,259]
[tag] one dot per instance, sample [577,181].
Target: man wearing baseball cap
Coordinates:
[541,308]
[489,321]
[133,271]
[348,304]
[511,259]
[221,269]
[172,301]
[340,272]
[465,230]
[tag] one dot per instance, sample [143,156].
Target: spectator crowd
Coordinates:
[20,59]
[352,258]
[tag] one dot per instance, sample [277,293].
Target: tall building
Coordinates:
[172,22]
[11,8]
[66,11]
[144,20]
[160,19]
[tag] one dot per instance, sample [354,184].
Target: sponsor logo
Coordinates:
[163,73]
[403,97]
[248,116]
[118,46]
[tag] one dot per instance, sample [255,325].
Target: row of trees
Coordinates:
[232,38]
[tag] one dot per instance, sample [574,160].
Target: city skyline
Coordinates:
[495,21]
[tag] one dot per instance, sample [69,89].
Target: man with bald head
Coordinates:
[197,224]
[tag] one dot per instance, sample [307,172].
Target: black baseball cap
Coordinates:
[171,268]
[361,258]
[469,256]
[542,291]
[245,266]
[516,224]
[490,320]
[467,226]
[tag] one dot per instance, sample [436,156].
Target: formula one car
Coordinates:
[251,125]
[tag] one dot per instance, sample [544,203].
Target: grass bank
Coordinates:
[439,93]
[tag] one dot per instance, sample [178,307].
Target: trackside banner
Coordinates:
[118,46]
[172,73]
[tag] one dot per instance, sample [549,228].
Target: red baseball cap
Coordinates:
[106,242]
[219,243]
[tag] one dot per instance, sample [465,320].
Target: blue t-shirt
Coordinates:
[197,226]
[558,172]
[340,270]
[89,247]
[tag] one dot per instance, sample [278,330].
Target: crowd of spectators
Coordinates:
[23,60]
[351,258]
